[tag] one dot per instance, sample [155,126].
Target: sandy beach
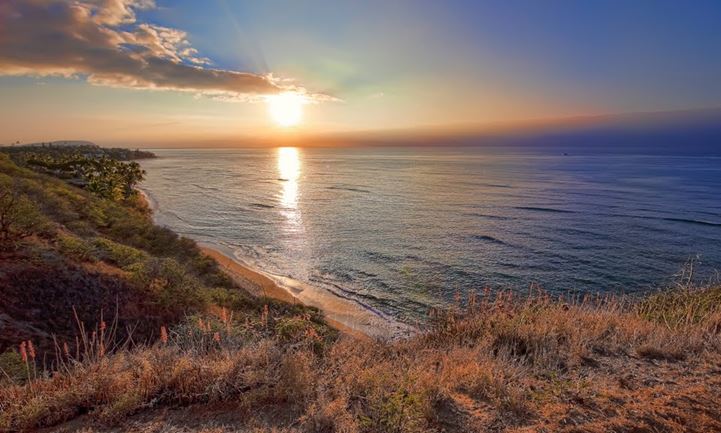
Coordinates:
[344,315]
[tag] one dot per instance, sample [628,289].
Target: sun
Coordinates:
[286,109]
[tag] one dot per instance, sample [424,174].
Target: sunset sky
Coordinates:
[144,73]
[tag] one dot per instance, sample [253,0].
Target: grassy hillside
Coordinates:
[74,257]
[164,341]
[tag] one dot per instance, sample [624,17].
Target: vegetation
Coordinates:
[105,172]
[83,148]
[144,324]
[65,248]
[498,364]
[19,217]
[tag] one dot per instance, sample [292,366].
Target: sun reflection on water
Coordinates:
[289,172]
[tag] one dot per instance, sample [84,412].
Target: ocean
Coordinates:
[400,230]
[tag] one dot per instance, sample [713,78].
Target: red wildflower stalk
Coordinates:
[31,350]
[264,316]
[163,335]
[23,352]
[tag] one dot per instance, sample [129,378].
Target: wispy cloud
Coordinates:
[104,41]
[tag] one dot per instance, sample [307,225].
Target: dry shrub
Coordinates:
[501,365]
[296,377]
[329,416]
[683,306]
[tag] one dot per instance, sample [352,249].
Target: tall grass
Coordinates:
[501,362]
[686,303]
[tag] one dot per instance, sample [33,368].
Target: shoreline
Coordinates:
[259,284]
[344,315]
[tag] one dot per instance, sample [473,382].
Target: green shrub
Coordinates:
[75,247]
[169,285]
[12,366]
[20,217]
[80,228]
[230,298]
[397,411]
[292,328]
[118,254]
[208,270]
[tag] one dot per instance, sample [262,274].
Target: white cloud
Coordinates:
[104,42]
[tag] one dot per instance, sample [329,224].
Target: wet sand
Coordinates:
[344,315]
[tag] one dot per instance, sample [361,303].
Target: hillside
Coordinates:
[63,143]
[70,255]
[110,323]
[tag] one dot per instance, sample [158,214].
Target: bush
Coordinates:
[396,411]
[75,247]
[230,298]
[296,327]
[19,216]
[118,254]
[169,285]
[12,367]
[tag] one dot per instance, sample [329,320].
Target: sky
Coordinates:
[139,72]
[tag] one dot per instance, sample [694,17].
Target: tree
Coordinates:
[131,175]
[112,179]
[102,175]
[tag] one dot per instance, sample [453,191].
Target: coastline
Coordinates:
[344,315]
[260,285]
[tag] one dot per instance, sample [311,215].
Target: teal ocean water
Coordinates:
[398,230]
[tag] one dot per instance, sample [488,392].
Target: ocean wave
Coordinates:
[261,205]
[672,219]
[488,238]
[543,209]
[495,185]
[488,216]
[381,257]
[174,215]
[345,188]
[692,221]
[353,296]
[484,184]
[207,188]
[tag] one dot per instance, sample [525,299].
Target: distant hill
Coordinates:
[75,148]
[64,143]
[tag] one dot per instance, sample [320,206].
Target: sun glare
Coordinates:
[286,109]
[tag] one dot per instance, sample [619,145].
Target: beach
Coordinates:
[260,285]
[342,314]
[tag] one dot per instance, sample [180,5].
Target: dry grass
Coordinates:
[500,364]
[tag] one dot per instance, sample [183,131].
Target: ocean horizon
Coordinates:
[402,230]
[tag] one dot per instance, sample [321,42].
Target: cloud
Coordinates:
[103,41]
